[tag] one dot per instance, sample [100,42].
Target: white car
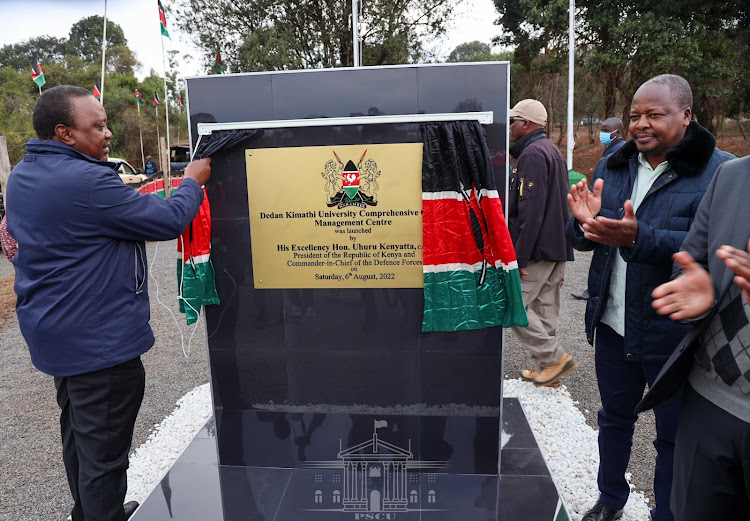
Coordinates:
[128,174]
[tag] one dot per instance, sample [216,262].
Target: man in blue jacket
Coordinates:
[82,286]
[644,199]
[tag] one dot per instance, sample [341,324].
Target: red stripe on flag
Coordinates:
[500,241]
[447,235]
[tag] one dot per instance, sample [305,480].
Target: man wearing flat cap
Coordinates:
[537,213]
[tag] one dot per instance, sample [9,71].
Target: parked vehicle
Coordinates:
[179,156]
[128,174]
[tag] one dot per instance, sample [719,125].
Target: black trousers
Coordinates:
[621,384]
[711,464]
[96,424]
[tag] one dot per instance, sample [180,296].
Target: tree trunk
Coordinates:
[742,130]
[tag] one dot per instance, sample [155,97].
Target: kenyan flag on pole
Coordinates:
[36,74]
[471,276]
[163,21]
[138,98]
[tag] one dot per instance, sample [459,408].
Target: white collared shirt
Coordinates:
[614,314]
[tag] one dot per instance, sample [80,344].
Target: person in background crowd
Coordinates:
[8,243]
[82,286]
[611,138]
[537,213]
[712,451]
[661,173]
[151,167]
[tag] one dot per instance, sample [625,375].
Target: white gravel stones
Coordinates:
[569,446]
[151,461]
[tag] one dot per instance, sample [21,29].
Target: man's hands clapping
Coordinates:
[585,206]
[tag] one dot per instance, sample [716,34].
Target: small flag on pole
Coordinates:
[97,90]
[379,424]
[163,21]
[139,98]
[218,64]
[156,99]
[179,101]
[36,73]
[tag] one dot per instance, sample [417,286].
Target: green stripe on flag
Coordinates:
[454,300]
[197,289]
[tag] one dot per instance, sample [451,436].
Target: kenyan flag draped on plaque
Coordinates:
[195,272]
[471,276]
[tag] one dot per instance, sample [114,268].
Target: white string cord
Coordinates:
[185,352]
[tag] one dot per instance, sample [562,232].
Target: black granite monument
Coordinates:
[329,401]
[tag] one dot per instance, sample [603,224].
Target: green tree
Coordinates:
[16,104]
[121,60]
[45,48]
[85,37]
[475,51]
[625,42]
[292,34]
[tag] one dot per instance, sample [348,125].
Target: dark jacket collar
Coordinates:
[50,146]
[613,142]
[689,157]
[519,146]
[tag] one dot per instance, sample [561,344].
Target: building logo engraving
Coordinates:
[375,481]
[351,184]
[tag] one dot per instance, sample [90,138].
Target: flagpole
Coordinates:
[166,101]
[158,138]
[104,49]
[571,74]
[355,33]
[140,133]
[40,89]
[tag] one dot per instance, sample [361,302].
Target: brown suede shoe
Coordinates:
[528,375]
[551,374]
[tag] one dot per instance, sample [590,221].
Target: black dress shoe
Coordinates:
[129,508]
[601,513]
[581,296]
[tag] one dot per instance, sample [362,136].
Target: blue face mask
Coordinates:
[605,137]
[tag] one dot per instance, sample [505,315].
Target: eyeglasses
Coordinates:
[513,120]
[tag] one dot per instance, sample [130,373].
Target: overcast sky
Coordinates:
[23,19]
